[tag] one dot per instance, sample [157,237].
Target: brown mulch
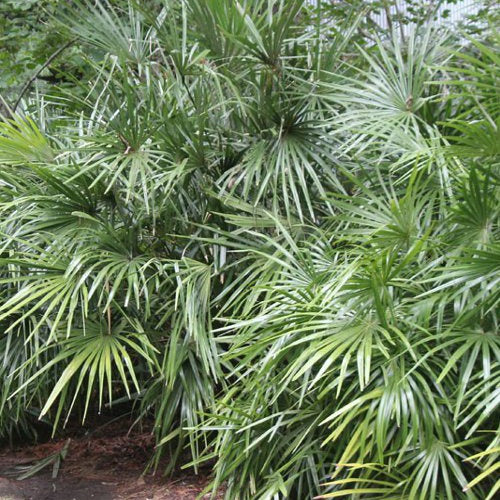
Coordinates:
[107,464]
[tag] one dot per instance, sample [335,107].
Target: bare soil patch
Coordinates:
[107,464]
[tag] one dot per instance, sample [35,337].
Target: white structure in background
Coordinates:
[448,13]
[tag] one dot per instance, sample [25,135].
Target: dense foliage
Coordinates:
[280,246]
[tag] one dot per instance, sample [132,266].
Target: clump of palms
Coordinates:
[286,256]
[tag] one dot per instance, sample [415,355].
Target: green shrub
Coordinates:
[279,245]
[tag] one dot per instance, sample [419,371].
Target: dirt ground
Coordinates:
[107,464]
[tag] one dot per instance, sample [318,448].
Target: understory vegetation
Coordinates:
[274,241]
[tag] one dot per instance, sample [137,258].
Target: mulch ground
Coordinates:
[106,464]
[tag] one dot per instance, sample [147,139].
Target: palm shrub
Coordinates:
[283,250]
[369,350]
